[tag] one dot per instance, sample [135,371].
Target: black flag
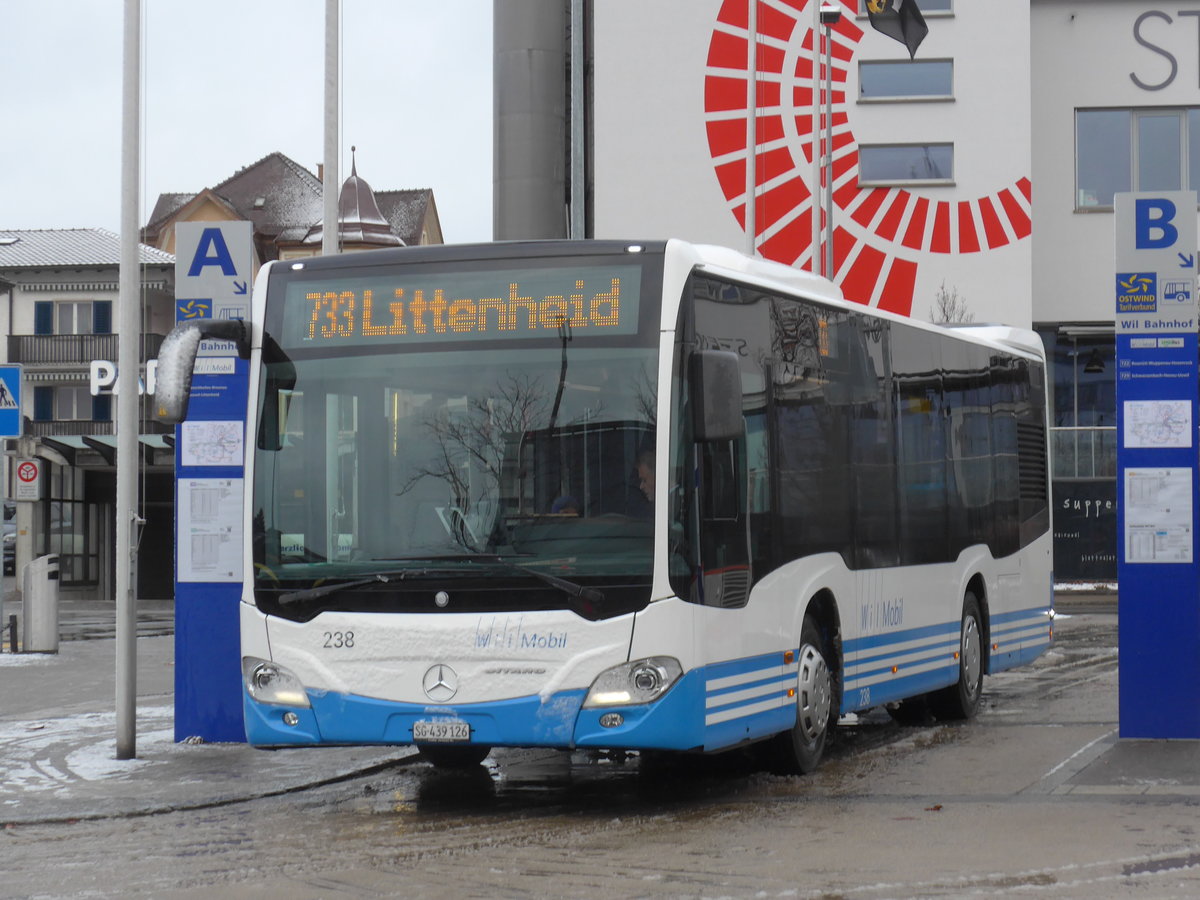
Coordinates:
[900,20]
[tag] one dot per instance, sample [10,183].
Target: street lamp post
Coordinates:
[830,15]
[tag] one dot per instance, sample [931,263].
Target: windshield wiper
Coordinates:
[585,601]
[315,593]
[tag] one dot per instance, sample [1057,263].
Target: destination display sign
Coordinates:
[409,307]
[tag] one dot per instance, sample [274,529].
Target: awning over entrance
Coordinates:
[101,449]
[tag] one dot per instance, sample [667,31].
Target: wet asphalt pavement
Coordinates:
[1037,796]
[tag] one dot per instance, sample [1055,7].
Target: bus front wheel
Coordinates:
[961,700]
[799,750]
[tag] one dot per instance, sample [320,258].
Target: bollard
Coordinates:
[12,633]
[39,630]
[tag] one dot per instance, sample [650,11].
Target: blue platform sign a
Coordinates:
[213,274]
[1158,476]
[10,401]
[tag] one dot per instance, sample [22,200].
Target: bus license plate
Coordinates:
[451,730]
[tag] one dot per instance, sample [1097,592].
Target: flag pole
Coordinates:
[830,16]
[752,128]
[816,138]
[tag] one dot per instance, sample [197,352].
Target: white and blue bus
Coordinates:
[652,496]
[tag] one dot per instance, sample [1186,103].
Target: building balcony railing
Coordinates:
[73,349]
[72,427]
[1084,452]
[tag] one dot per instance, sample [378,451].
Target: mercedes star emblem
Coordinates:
[440,683]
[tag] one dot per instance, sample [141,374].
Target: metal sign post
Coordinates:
[1157,463]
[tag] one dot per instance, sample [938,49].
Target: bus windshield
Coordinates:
[482,464]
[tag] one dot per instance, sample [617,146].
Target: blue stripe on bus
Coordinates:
[764,711]
[857,645]
[784,681]
[1033,612]
[905,664]
[941,647]
[900,687]
[741,666]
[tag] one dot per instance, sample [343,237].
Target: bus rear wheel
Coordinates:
[798,751]
[961,700]
[454,756]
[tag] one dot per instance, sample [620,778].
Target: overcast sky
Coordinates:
[226,82]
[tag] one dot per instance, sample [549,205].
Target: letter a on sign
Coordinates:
[1152,224]
[212,251]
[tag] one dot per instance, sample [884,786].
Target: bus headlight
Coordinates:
[639,681]
[268,682]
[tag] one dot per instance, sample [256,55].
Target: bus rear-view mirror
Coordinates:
[716,390]
[177,356]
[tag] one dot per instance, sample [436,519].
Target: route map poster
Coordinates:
[1158,423]
[211,443]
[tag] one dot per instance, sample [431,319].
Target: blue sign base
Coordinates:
[208,663]
[208,655]
[1158,487]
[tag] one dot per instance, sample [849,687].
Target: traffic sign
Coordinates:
[28,483]
[10,401]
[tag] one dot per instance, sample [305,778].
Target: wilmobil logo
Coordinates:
[1137,292]
[508,634]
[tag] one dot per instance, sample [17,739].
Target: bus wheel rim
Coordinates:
[814,693]
[972,656]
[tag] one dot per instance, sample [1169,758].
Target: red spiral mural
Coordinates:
[879,232]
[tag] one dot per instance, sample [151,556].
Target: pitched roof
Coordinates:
[406,211]
[283,201]
[274,193]
[64,247]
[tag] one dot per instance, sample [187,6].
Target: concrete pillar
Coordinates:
[530,150]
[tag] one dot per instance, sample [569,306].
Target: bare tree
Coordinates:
[950,308]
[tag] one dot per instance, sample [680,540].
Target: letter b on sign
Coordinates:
[1152,224]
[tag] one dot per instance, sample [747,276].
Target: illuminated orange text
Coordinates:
[425,311]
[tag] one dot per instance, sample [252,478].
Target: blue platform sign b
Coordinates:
[1152,219]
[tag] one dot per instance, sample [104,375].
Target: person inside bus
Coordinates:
[640,503]
[645,473]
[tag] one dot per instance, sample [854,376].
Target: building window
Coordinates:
[920,79]
[72,317]
[66,404]
[905,163]
[1119,150]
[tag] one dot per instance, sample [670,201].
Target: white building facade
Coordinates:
[981,171]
